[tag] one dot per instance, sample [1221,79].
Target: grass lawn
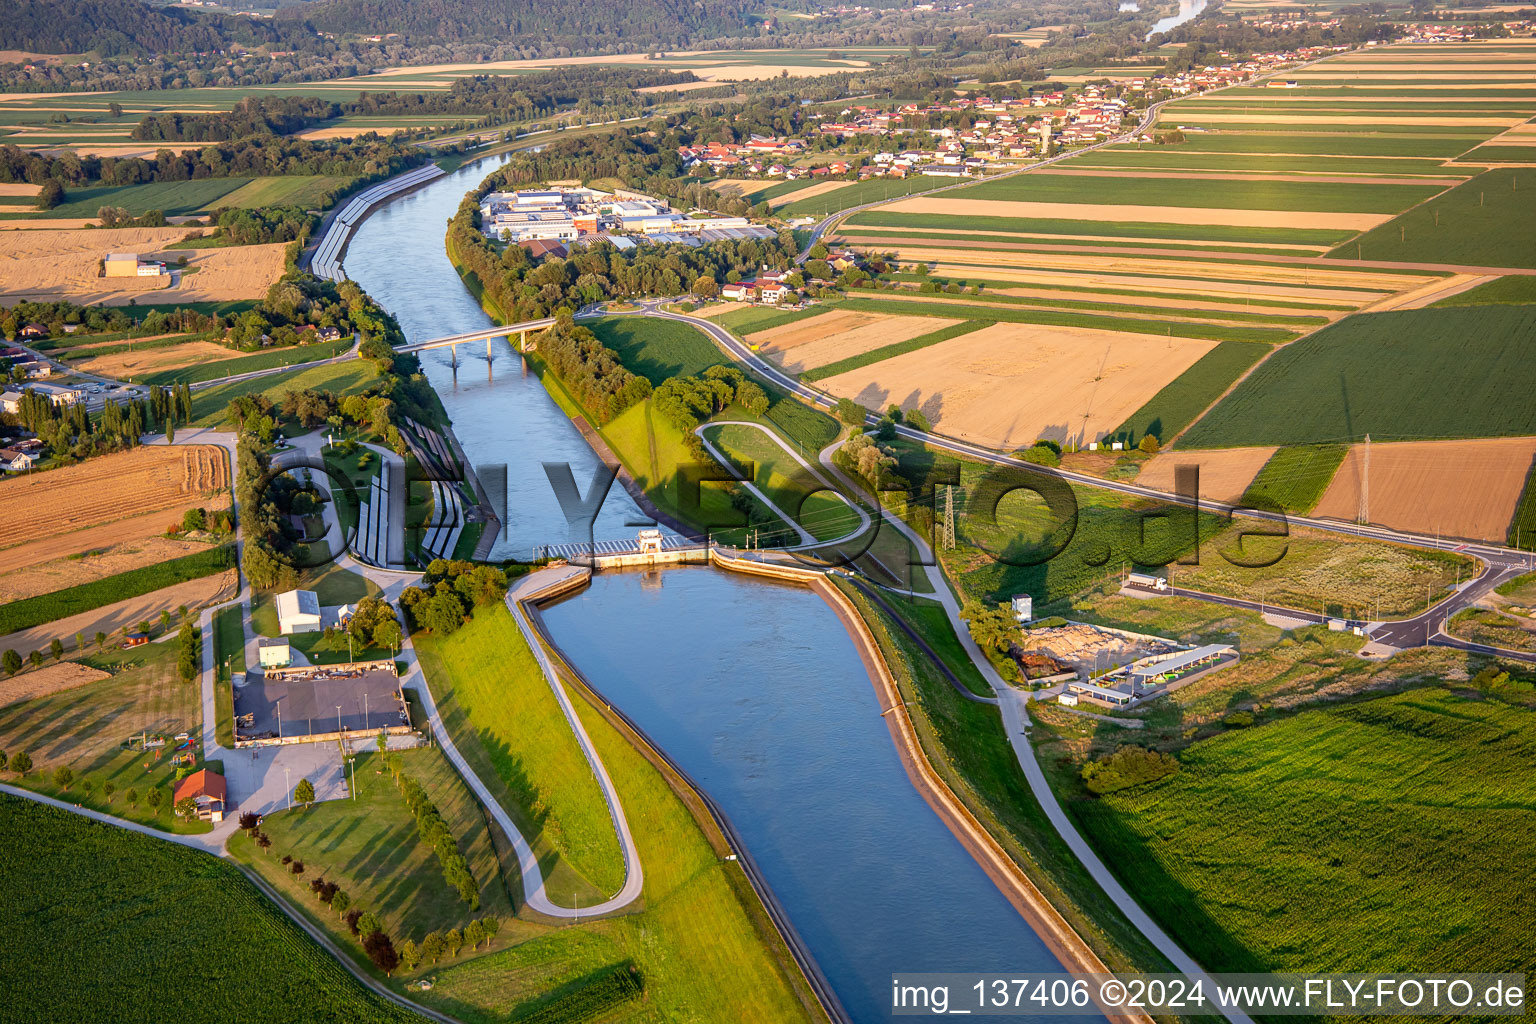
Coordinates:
[1405,375]
[787,484]
[228,658]
[1383,835]
[657,349]
[370,847]
[1350,577]
[510,728]
[1487,221]
[1189,394]
[88,728]
[348,378]
[699,945]
[1295,478]
[1483,626]
[129,919]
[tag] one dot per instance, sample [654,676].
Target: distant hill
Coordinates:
[581,25]
[115,27]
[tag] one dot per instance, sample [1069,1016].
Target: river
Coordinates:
[1188,10]
[717,669]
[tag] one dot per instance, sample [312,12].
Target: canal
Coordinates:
[753,687]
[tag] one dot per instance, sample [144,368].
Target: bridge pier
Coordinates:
[487,349]
[453,353]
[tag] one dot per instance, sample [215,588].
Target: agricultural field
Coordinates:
[95,564]
[699,943]
[1398,376]
[345,378]
[1225,473]
[1486,222]
[138,363]
[1084,383]
[746,319]
[1294,478]
[809,344]
[858,193]
[306,191]
[82,597]
[875,355]
[131,916]
[1310,843]
[112,499]
[1167,413]
[1423,486]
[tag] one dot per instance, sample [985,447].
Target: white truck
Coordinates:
[1146,581]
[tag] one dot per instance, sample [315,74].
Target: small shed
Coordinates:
[275,652]
[298,611]
[135,639]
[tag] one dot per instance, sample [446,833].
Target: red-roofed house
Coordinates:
[207,789]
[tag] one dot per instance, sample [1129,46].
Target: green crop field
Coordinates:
[858,194]
[1190,393]
[751,319]
[1357,143]
[505,719]
[132,920]
[169,197]
[1513,290]
[1522,528]
[1295,478]
[1120,229]
[1325,197]
[944,306]
[306,191]
[1387,835]
[346,378]
[1405,375]
[888,351]
[1177,158]
[1487,221]
[34,611]
[236,365]
[657,349]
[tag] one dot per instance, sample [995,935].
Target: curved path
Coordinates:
[806,538]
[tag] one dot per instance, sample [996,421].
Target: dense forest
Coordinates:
[111,27]
[258,156]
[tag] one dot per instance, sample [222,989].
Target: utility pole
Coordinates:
[948,535]
[1363,515]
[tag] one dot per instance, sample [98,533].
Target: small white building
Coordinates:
[1069,699]
[298,611]
[1023,607]
[275,652]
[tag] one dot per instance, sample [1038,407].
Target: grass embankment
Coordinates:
[1485,222]
[1388,834]
[131,919]
[490,691]
[1189,394]
[1331,574]
[348,378]
[791,488]
[696,943]
[228,658]
[34,611]
[965,743]
[371,848]
[1404,375]
[89,728]
[1483,626]
[1295,478]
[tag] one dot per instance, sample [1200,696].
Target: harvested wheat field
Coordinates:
[821,188]
[716,308]
[132,494]
[1225,473]
[1452,488]
[55,264]
[40,682]
[832,336]
[125,365]
[1140,214]
[194,594]
[237,272]
[95,564]
[19,188]
[1010,384]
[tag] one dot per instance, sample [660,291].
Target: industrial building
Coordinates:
[587,215]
